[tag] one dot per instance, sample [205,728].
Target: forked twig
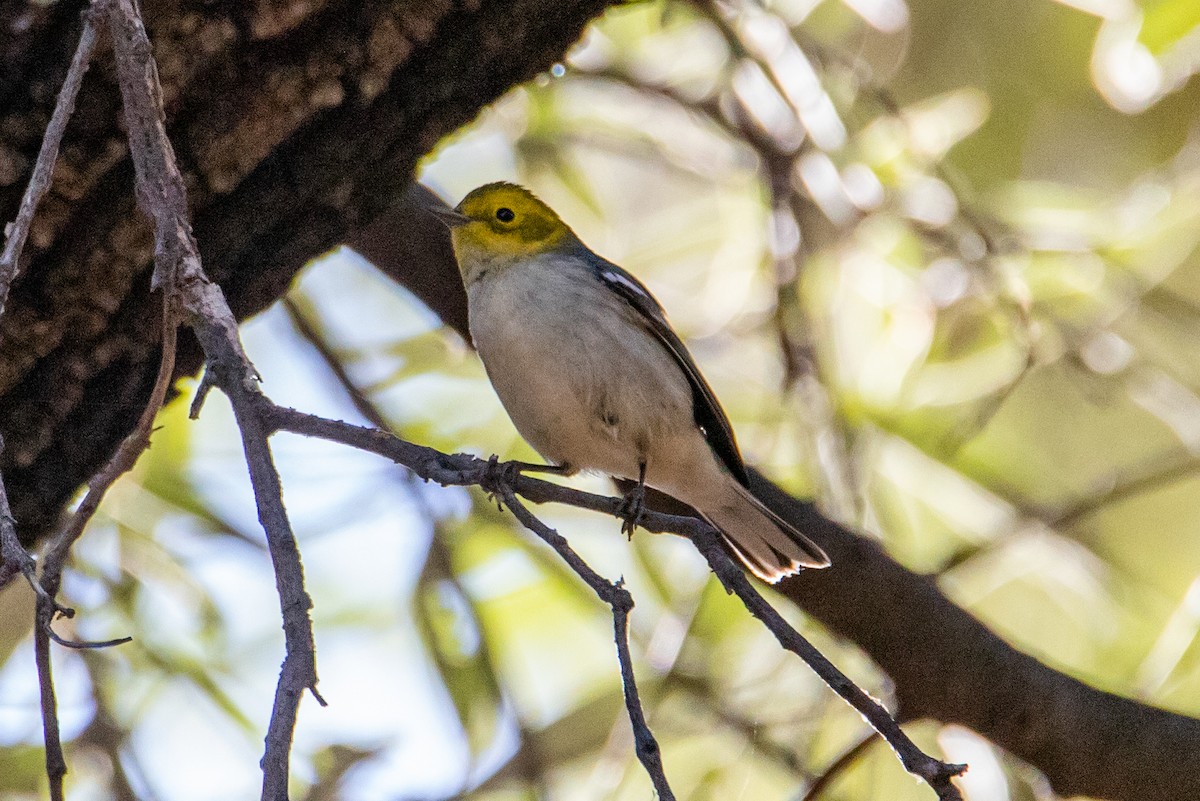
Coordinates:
[621,603]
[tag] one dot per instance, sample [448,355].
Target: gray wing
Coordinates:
[710,417]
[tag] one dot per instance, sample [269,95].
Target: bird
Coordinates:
[594,378]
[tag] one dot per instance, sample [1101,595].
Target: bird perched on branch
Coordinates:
[593,377]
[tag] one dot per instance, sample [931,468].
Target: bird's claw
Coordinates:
[632,507]
[498,474]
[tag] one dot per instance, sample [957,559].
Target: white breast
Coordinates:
[584,383]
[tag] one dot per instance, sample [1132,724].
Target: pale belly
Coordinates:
[578,387]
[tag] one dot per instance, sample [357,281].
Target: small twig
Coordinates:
[39,183]
[621,603]
[839,766]
[121,462]
[933,771]
[202,389]
[56,763]
[87,645]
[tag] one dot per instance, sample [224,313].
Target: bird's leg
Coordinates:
[633,505]
[552,469]
[508,472]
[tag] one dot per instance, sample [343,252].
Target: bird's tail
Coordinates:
[766,543]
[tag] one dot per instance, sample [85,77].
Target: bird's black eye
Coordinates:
[505,214]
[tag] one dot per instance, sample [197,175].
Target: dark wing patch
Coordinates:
[710,417]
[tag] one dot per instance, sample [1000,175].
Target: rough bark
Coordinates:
[295,125]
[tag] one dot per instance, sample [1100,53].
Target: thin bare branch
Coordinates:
[934,772]
[39,183]
[56,763]
[621,602]
[13,557]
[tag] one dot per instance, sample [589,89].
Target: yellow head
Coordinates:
[500,224]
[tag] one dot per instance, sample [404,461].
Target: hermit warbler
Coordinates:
[594,378]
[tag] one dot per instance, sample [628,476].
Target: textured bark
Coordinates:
[296,123]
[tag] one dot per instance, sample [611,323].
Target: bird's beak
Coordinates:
[449,216]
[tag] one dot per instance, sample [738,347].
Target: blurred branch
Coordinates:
[838,767]
[105,733]
[307,330]
[751,730]
[1158,477]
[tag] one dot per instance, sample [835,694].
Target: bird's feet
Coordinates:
[498,475]
[632,507]
[506,473]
